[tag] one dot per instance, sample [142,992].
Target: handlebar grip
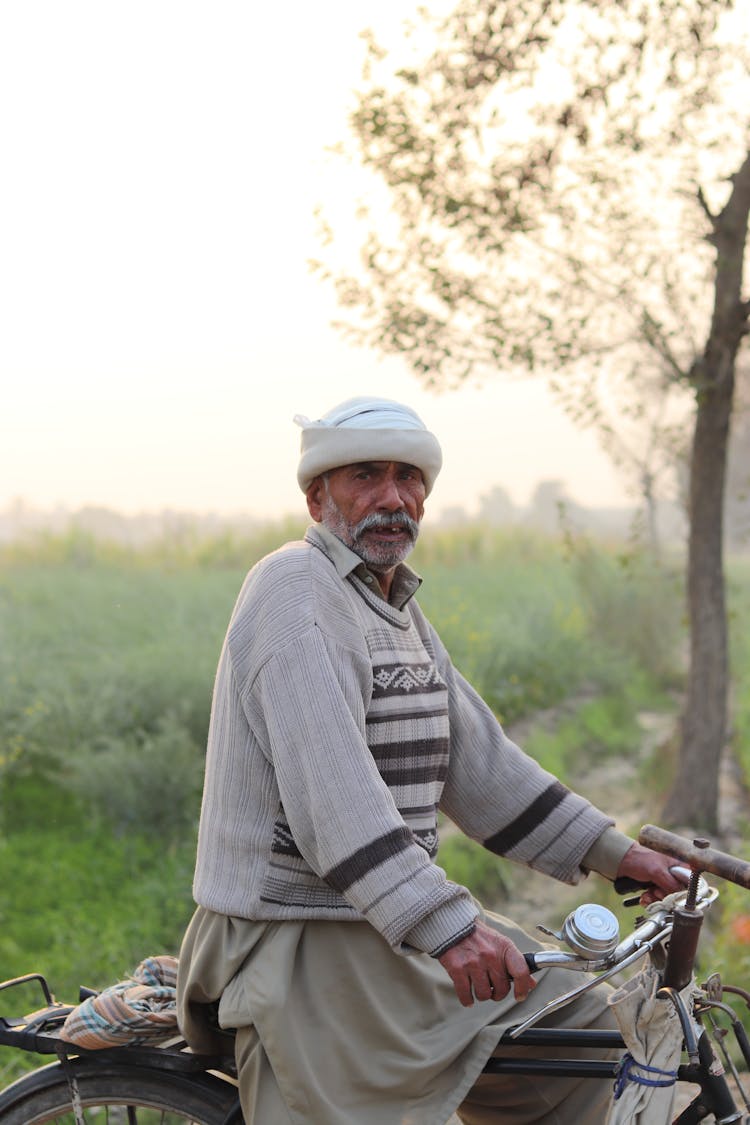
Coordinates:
[726,866]
[623,884]
[530,959]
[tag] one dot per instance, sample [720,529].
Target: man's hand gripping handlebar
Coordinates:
[485,965]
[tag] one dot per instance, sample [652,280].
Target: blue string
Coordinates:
[626,1072]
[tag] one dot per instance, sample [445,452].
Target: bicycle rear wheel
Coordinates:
[117,1095]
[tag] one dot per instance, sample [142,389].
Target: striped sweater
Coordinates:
[339,727]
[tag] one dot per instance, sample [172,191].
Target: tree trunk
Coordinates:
[694,797]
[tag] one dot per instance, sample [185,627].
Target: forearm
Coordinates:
[607,853]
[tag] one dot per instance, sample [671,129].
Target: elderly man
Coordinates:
[367,988]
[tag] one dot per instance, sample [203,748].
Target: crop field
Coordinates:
[106,669]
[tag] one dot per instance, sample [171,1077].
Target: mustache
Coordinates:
[376,519]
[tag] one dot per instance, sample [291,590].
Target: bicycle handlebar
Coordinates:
[726,866]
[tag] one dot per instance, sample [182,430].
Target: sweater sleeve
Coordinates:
[312,694]
[502,798]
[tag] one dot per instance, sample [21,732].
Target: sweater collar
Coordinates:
[405,583]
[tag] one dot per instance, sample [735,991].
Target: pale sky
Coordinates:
[160,328]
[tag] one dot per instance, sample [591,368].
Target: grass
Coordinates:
[108,902]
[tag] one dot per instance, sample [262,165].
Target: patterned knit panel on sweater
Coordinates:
[408,735]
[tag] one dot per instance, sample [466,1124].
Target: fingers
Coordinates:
[523,982]
[485,965]
[485,984]
[481,986]
[647,866]
[670,878]
[463,987]
[491,986]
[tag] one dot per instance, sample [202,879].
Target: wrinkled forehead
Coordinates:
[378,467]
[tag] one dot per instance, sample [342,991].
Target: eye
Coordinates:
[410,474]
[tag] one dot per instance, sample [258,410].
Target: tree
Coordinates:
[565,187]
[737,506]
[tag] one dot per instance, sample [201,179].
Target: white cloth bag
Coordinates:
[653,1037]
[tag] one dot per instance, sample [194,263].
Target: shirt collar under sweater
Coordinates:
[405,581]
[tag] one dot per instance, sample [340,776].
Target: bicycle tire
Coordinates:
[117,1094]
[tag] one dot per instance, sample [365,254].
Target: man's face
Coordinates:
[374,507]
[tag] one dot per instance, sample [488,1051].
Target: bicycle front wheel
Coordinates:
[118,1095]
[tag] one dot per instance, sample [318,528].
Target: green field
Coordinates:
[106,669]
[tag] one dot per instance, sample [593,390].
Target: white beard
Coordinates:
[377,556]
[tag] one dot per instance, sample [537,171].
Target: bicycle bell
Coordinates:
[591,931]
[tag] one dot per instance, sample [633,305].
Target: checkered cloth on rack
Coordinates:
[141,1009]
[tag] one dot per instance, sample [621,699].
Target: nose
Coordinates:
[389,497]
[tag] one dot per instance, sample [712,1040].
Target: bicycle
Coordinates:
[170,1085]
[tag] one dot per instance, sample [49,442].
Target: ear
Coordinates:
[314,496]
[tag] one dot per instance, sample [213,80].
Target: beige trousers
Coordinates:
[510,1099]
[262,1103]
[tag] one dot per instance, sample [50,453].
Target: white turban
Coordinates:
[366,429]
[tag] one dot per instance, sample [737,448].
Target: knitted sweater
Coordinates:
[339,727]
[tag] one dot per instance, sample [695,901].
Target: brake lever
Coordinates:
[624,884]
